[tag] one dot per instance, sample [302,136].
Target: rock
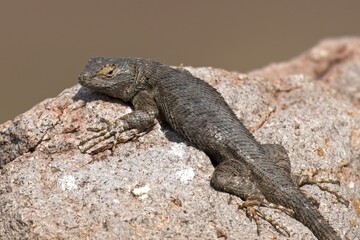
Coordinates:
[157,186]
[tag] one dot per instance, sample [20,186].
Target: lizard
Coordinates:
[259,174]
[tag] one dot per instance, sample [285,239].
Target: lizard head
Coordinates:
[112,76]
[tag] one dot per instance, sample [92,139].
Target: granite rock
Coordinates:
[157,186]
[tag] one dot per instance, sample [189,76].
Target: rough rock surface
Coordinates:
[157,186]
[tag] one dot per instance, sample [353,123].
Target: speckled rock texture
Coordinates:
[157,186]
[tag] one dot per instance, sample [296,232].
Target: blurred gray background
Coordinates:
[45,44]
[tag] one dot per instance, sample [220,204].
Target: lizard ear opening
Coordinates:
[107,71]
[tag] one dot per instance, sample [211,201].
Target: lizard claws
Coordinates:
[252,210]
[99,129]
[310,179]
[113,129]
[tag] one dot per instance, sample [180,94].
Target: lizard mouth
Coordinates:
[86,80]
[89,83]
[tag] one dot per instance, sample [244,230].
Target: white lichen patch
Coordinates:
[141,191]
[67,183]
[186,175]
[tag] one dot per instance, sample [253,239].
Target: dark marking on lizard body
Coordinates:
[258,174]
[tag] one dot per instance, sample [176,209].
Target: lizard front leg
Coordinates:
[126,127]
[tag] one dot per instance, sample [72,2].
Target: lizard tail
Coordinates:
[304,210]
[309,215]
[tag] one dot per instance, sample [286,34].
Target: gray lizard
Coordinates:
[257,173]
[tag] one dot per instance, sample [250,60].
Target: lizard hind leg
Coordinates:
[279,155]
[309,178]
[231,176]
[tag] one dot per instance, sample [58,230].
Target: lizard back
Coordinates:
[197,111]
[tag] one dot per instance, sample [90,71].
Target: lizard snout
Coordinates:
[83,76]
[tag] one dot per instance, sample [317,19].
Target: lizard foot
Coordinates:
[117,130]
[252,209]
[302,179]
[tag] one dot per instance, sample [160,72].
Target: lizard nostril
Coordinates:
[82,76]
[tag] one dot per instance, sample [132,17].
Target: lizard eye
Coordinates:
[107,71]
